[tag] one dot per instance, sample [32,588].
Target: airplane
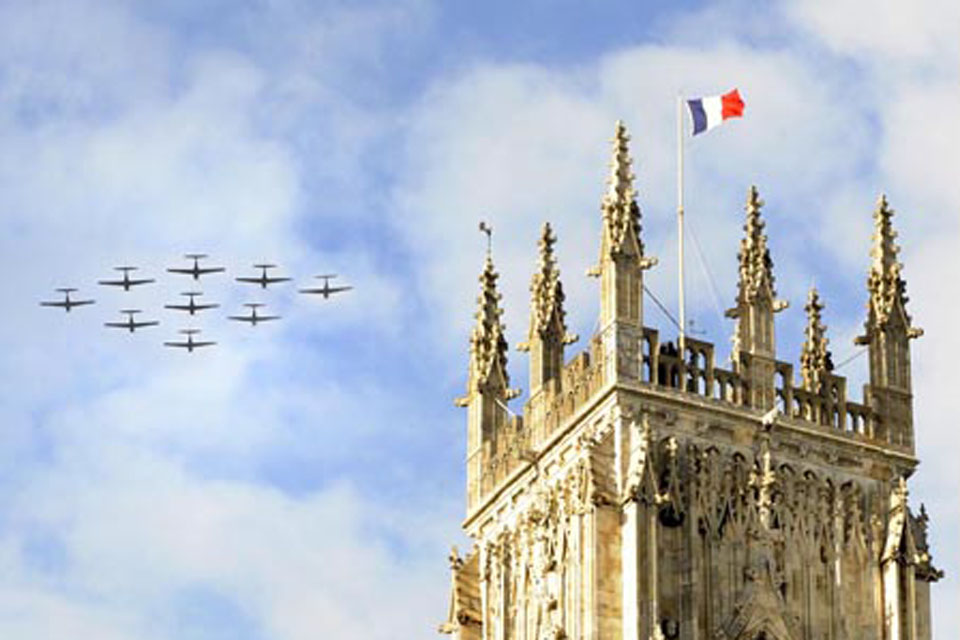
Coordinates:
[263,280]
[253,318]
[326,289]
[190,343]
[192,307]
[196,270]
[126,282]
[66,304]
[130,324]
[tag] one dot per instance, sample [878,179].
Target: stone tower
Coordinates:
[650,494]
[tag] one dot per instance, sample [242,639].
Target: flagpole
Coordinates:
[683,322]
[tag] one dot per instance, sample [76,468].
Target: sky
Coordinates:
[305,478]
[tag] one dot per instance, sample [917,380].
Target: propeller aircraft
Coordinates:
[130,324]
[196,270]
[66,304]
[191,307]
[189,344]
[125,282]
[326,290]
[253,318]
[263,280]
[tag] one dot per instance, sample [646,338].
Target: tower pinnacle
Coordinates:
[815,359]
[621,214]
[887,289]
[547,316]
[488,346]
[756,266]
[548,330]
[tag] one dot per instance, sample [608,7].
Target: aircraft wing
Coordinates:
[183,270]
[145,323]
[251,280]
[244,318]
[112,283]
[200,307]
[204,344]
[265,318]
[205,270]
[178,307]
[337,289]
[133,283]
[78,303]
[276,279]
[118,325]
[55,304]
[182,345]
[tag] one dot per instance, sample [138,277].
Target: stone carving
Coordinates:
[650,494]
[815,359]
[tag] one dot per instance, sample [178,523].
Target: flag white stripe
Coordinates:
[713,108]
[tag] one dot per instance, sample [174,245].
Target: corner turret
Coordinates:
[888,331]
[488,383]
[621,267]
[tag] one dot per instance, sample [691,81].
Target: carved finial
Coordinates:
[547,316]
[456,562]
[815,359]
[887,289]
[756,266]
[488,346]
[621,214]
[763,480]
[899,495]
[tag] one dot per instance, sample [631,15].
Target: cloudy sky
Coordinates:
[304,479]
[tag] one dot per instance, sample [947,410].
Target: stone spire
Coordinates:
[621,266]
[548,330]
[756,267]
[887,289]
[487,383]
[754,347]
[488,346]
[888,332]
[621,215]
[815,359]
[546,299]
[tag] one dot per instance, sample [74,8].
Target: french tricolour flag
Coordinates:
[709,112]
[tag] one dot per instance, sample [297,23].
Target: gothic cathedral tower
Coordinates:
[649,494]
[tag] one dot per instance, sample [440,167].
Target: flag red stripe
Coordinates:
[732,105]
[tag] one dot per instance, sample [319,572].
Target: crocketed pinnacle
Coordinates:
[547,317]
[815,359]
[621,215]
[488,346]
[756,266]
[887,289]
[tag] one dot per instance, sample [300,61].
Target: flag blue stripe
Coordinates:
[699,116]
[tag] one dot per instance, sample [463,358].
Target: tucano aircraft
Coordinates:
[192,307]
[190,343]
[130,324]
[66,304]
[196,270]
[326,289]
[263,279]
[253,318]
[125,282]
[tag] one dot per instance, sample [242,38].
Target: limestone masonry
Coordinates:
[649,494]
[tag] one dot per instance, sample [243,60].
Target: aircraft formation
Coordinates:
[191,308]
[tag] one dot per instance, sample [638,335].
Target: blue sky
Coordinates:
[306,478]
